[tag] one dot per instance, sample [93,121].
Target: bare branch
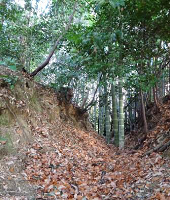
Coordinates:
[84,100]
[92,101]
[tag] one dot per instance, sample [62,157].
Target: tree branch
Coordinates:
[92,101]
[159,148]
[46,62]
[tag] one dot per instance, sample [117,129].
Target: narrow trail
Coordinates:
[79,165]
[62,161]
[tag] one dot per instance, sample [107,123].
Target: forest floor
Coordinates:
[77,164]
[66,162]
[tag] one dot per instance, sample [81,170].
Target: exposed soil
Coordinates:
[48,151]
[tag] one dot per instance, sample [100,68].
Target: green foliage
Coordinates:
[10,63]
[113,37]
[10,80]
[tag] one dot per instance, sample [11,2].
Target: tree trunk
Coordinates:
[136,113]
[84,100]
[163,84]
[155,96]
[77,98]
[143,113]
[114,116]
[121,116]
[107,116]
[130,108]
[168,78]
[94,117]
[101,125]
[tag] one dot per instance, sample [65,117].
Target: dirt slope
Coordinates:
[158,137]
[27,109]
[50,153]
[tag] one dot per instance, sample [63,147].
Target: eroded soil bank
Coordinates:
[48,151]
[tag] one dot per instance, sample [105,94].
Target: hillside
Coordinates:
[49,151]
[158,137]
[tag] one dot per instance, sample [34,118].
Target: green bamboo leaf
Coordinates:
[12,67]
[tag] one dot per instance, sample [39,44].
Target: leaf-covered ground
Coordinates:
[65,162]
[74,164]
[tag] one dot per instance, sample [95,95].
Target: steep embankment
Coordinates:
[61,159]
[158,137]
[26,107]
[27,110]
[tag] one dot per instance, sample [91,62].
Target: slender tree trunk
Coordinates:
[84,100]
[155,96]
[103,121]
[101,125]
[130,111]
[163,84]
[135,112]
[149,96]
[93,99]
[126,121]
[143,113]
[83,85]
[94,117]
[168,79]
[121,116]
[77,98]
[107,116]
[130,116]
[114,116]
